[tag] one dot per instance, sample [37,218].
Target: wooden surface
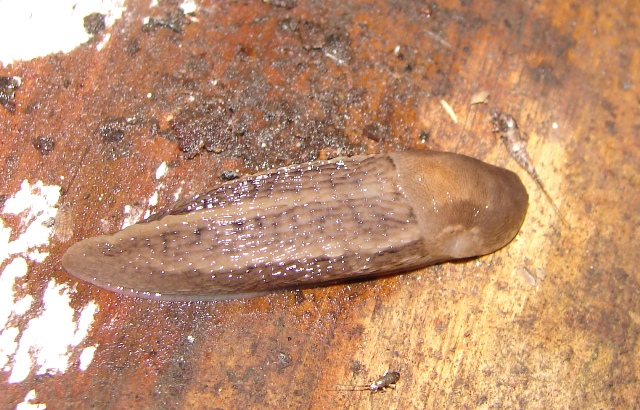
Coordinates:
[283,82]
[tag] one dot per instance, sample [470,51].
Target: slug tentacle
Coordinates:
[317,223]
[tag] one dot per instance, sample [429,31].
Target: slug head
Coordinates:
[464,206]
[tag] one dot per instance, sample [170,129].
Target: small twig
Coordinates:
[449,110]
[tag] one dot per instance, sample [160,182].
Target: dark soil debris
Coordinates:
[375,131]
[43,144]
[229,175]
[174,20]
[8,87]
[132,47]
[94,23]
[114,129]
[207,129]
[287,4]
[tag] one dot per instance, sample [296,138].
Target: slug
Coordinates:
[312,224]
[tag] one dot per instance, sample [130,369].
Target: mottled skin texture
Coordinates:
[310,224]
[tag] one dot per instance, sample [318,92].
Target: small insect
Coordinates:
[516,143]
[387,381]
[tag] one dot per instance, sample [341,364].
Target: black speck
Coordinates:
[174,20]
[229,175]
[132,47]
[424,136]
[43,144]
[375,131]
[49,222]
[355,367]
[611,127]
[8,87]
[112,130]
[288,24]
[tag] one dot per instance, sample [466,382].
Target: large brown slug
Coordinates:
[311,224]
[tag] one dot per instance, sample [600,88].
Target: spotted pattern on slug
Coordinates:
[310,224]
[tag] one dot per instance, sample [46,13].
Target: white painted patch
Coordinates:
[36,204]
[103,42]
[22,306]
[49,337]
[37,256]
[177,194]
[86,357]
[52,334]
[188,6]
[162,170]
[131,216]
[16,269]
[153,200]
[11,308]
[27,405]
[36,28]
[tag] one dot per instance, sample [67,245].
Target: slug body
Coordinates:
[311,224]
